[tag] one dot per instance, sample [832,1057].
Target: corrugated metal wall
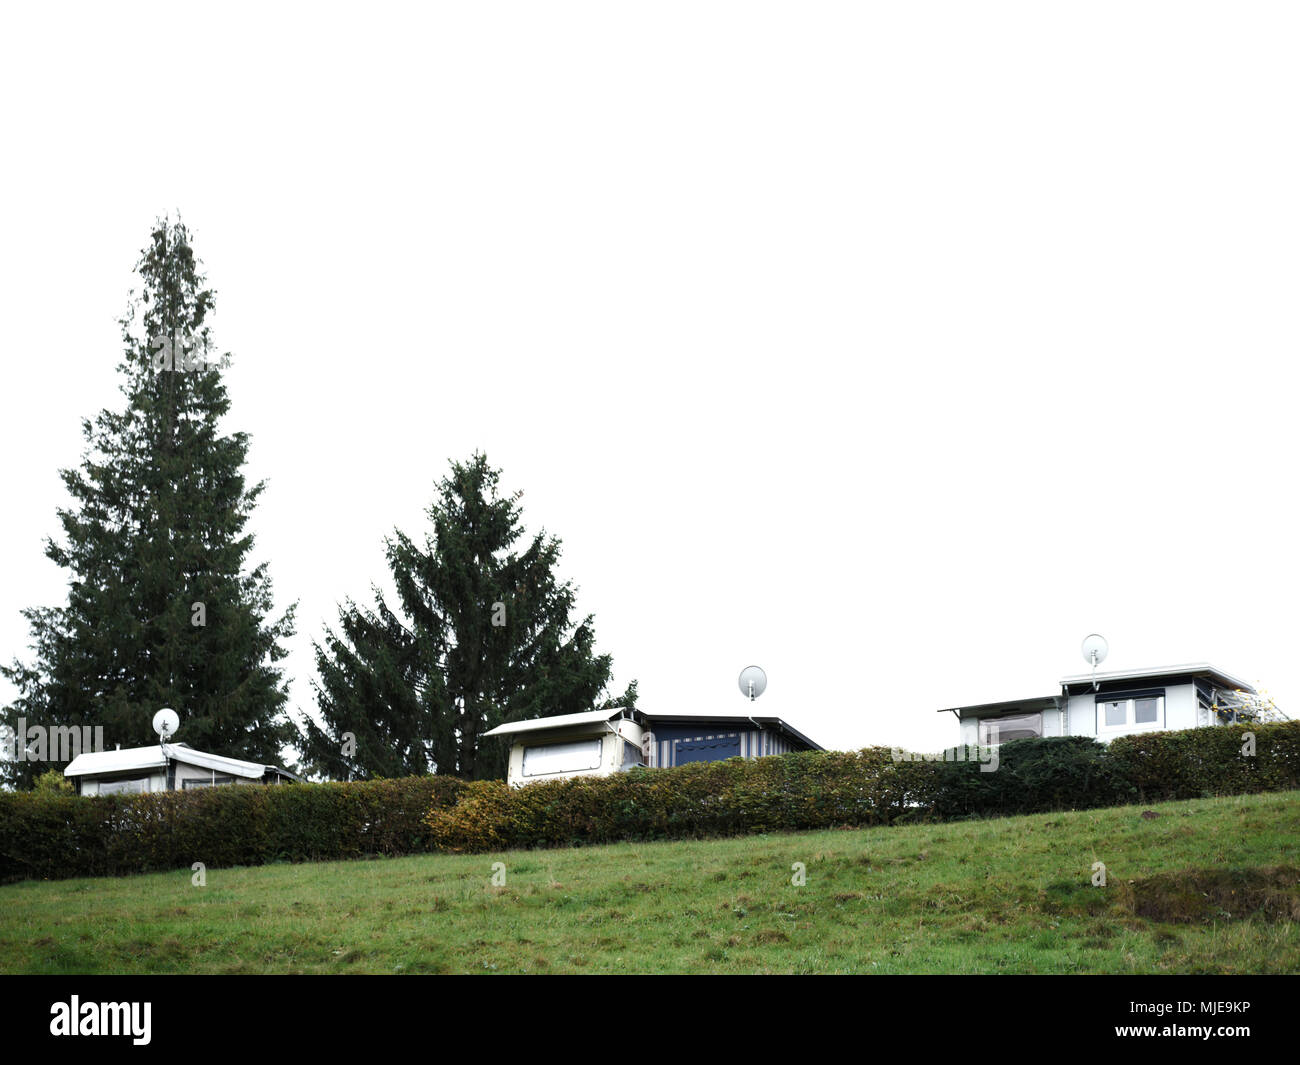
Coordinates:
[678,744]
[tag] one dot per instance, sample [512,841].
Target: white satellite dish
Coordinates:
[753,681]
[165,723]
[1094,650]
[1094,653]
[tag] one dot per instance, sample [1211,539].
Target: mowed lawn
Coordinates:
[1007,895]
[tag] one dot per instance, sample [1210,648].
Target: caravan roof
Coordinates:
[95,763]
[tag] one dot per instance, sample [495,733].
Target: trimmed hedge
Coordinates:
[1033,775]
[1201,762]
[792,792]
[54,836]
[48,835]
[821,789]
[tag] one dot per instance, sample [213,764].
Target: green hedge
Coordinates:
[1065,772]
[47,835]
[811,790]
[53,836]
[1208,761]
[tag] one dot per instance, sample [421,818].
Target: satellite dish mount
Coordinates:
[1094,653]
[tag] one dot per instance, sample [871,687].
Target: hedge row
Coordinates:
[1030,776]
[812,790]
[45,835]
[52,836]
[1209,761]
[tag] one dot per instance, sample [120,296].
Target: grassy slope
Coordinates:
[1010,895]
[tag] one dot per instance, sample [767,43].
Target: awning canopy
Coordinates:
[538,724]
[1033,705]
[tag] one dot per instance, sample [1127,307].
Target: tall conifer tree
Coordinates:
[481,634]
[162,607]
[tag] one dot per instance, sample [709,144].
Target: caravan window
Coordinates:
[124,787]
[562,758]
[994,730]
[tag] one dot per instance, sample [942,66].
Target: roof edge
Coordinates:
[1188,668]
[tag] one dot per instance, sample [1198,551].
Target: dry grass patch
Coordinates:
[1203,896]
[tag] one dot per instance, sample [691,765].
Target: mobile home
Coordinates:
[1106,705]
[603,742]
[164,767]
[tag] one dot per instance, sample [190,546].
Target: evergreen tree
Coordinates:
[161,609]
[480,634]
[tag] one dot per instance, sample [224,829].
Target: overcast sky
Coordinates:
[892,347]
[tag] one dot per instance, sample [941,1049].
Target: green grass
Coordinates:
[1009,895]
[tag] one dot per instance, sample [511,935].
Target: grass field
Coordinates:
[1208,886]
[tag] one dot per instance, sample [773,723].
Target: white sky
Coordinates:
[892,347]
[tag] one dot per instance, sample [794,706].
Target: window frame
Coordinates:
[984,722]
[144,786]
[642,756]
[599,741]
[1131,723]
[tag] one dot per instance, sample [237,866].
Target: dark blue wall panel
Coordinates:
[706,750]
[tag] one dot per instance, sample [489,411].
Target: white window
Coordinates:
[995,730]
[124,787]
[1130,713]
[574,757]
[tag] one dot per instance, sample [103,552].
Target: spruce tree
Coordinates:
[480,633]
[162,607]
